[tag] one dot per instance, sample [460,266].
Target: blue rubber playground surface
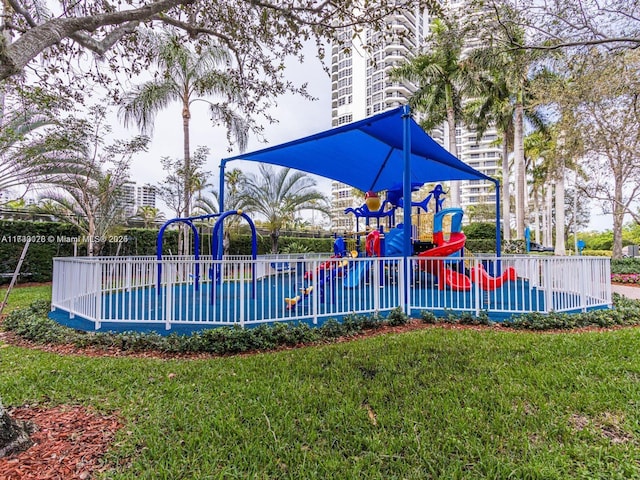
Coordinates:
[188,309]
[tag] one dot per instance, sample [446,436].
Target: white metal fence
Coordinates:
[242,291]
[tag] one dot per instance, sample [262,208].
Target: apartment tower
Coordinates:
[360,66]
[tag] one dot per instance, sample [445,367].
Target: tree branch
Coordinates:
[579,43]
[14,57]
[102,46]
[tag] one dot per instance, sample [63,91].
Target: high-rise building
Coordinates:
[128,198]
[361,87]
[134,196]
[146,196]
[360,66]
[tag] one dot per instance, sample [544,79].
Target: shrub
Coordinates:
[32,324]
[428,317]
[481,230]
[397,317]
[629,278]
[596,253]
[625,266]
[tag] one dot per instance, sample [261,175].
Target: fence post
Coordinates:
[97,291]
[315,298]
[476,286]
[583,283]
[241,284]
[547,282]
[375,283]
[405,266]
[169,273]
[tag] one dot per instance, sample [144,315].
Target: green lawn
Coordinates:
[21,297]
[430,404]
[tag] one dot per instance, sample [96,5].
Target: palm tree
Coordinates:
[33,148]
[491,105]
[279,195]
[539,152]
[92,201]
[234,200]
[186,76]
[150,216]
[87,194]
[441,80]
[505,83]
[233,197]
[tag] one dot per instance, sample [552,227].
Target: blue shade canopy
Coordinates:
[368,155]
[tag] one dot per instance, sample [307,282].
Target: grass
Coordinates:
[428,404]
[434,403]
[23,296]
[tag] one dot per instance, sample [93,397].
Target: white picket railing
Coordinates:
[242,291]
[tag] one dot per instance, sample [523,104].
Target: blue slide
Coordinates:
[393,246]
[394,242]
[358,272]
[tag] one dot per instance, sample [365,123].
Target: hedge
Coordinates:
[625,266]
[47,241]
[54,239]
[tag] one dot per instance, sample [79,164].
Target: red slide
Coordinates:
[487,282]
[454,280]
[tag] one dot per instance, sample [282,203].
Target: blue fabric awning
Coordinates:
[368,155]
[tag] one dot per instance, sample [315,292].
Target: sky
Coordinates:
[297,116]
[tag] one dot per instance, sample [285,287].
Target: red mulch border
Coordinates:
[69,444]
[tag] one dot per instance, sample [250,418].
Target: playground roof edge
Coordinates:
[368,154]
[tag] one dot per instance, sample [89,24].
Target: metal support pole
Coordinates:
[406,192]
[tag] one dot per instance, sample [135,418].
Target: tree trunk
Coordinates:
[618,218]
[274,242]
[547,237]
[536,216]
[454,196]
[91,230]
[14,435]
[560,248]
[506,195]
[518,141]
[186,118]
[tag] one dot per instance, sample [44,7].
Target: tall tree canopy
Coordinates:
[186,76]
[604,101]
[261,34]
[563,24]
[440,77]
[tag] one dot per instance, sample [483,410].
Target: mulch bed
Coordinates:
[69,443]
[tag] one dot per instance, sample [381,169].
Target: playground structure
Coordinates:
[182,294]
[447,270]
[403,268]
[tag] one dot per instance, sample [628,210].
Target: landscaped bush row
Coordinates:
[597,253]
[488,245]
[625,313]
[44,246]
[241,244]
[625,266]
[33,324]
[629,278]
